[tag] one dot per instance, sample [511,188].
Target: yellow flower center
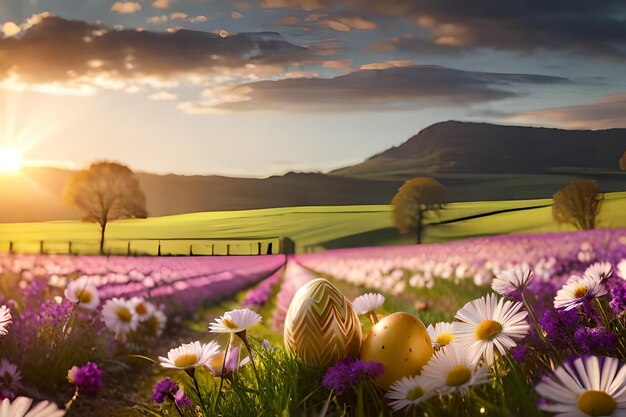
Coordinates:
[581,291]
[123,314]
[83,296]
[596,403]
[141,309]
[186,361]
[458,375]
[229,323]
[415,393]
[444,338]
[487,330]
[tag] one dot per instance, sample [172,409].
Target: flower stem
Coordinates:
[373,317]
[195,383]
[242,336]
[71,401]
[223,372]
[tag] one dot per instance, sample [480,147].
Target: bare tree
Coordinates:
[577,204]
[106,191]
[413,200]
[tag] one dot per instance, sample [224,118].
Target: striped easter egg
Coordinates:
[321,326]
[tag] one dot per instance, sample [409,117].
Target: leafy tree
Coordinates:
[577,204]
[622,162]
[413,200]
[106,191]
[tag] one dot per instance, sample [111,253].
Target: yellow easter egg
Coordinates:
[401,343]
[321,326]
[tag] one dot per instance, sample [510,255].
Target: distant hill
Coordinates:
[36,195]
[482,148]
[475,161]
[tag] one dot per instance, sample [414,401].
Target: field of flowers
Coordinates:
[512,325]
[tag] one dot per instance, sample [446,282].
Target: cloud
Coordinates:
[9,29]
[63,51]
[387,64]
[163,96]
[126,7]
[162,4]
[590,28]
[287,21]
[393,88]
[178,16]
[605,113]
[300,4]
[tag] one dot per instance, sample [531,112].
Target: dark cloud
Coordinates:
[390,88]
[590,27]
[605,113]
[63,51]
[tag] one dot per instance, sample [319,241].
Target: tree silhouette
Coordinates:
[106,191]
[413,199]
[622,162]
[577,204]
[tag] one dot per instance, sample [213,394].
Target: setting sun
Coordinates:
[10,160]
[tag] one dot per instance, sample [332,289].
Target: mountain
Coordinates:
[482,148]
[475,161]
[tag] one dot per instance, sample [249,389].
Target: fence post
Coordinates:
[159,252]
[41,247]
[69,247]
[11,247]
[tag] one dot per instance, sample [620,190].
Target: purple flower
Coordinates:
[519,353]
[348,372]
[618,298]
[87,378]
[165,388]
[589,339]
[559,325]
[181,399]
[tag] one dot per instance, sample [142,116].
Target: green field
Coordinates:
[312,228]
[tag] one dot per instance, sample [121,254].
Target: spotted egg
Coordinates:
[321,326]
[401,343]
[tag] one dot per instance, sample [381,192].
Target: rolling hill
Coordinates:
[475,161]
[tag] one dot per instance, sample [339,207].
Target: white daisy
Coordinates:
[621,269]
[577,290]
[368,303]
[408,392]
[118,315]
[156,323]
[142,308]
[511,280]
[5,320]
[588,386]
[488,322]
[190,355]
[452,370]
[441,334]
[20,407]
[235,321]
[83,293]
[599,271]
[10,376]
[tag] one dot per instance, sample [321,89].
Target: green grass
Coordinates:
[311,228]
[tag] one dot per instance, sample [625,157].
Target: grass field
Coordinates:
[312,228]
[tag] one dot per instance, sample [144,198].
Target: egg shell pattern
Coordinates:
[321,326]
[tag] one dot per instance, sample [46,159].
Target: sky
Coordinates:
[260,88]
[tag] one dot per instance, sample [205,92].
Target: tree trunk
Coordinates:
[103,227]
[418,227]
